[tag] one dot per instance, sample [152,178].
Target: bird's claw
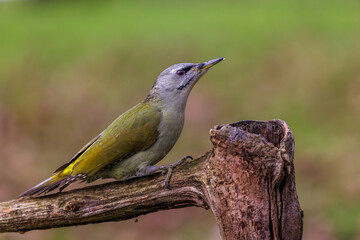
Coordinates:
[170,167]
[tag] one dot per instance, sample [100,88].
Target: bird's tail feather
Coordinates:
[56,181]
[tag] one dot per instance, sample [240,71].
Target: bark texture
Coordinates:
[251,181]
[247,180]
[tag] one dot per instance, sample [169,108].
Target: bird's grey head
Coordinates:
[176,82]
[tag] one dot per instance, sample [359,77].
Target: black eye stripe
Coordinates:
[186,69]
[183,70]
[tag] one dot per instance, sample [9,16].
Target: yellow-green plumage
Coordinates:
[133,131]
[137,139]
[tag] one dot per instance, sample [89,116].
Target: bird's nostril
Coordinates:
[200,65]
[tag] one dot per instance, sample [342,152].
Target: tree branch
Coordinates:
[247,180]
[106,202]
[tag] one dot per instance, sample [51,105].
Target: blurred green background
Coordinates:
[68,69]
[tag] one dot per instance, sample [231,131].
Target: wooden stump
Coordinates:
[251,181]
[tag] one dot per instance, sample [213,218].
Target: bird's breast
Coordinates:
[169,130]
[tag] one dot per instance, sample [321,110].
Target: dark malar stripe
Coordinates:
[181,87]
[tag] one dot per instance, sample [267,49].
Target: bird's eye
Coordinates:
[180,72]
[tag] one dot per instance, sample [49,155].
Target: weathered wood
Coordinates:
[113,201]
[247,180]
[251,183]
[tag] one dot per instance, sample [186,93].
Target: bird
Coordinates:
[138,139]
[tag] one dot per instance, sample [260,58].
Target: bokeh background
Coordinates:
[67,69]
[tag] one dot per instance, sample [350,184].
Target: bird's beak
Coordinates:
[209,64]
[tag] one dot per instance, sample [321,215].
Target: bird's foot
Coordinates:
[146,171]
[149,170]
[169,168]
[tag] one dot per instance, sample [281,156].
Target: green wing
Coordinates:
[134,131]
